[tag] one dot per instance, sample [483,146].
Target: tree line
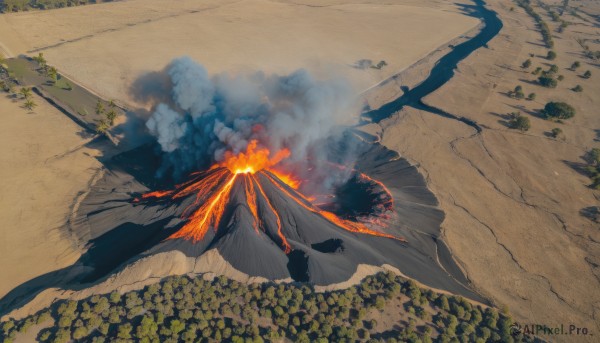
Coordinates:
[23,5]
[192,309]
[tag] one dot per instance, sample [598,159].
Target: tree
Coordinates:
[26,92]
[80,332]
[519,95]
[556,132]
[176,326]
[575,65]
[111,115]
[29,104]
[587,74]
[41,61]
[124,331]
[526,64]
[99,107]
[558,110]
[551,55]
[379,303]
[518,122]
[442,302]
[578,89]
[52,74]
[547,81]
[115,297]
[102,127]
[531,96]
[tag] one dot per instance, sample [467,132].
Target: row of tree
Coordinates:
[184,309]
[23,5]
[544,29]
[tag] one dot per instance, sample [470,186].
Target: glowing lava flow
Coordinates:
[286,245]
[251,200]
[212,191]
[209,214]
[343,223]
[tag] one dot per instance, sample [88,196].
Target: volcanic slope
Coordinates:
[264,228]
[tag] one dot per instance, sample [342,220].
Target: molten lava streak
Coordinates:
[212,190]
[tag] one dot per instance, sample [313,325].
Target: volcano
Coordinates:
[254,196]
[257,211]
[253,217]
[244,204]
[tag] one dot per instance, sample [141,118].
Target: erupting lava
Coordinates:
[212,191]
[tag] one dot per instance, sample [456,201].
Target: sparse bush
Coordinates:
[379,65]
[30,104]
[553,69]
[593,168]
[531,96]
[526,64]
[547,81]
[26,92]
[575,65]
[518,122]
[556,132]
[551,55]
[517,93]
[578,88]
[587,74]
[560,78]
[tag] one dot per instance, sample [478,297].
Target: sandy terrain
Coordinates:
[104,48]
[511,199]
[512,203]
[40,175]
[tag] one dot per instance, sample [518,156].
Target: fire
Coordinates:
[343,223]
[286,245]
[251,200]
[209,214]
[212,192]
[288,179]
[253,160]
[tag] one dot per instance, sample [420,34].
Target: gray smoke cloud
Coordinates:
[208,116]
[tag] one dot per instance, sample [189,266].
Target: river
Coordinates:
[443,71]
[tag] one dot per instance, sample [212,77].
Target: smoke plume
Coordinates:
[208,116]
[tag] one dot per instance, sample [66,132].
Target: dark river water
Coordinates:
[444,69]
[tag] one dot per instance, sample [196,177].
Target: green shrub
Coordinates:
[558,110]
[547,81]
[575,65]
[521,123]
[556,132]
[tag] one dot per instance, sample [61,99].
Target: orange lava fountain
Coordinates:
[212,190]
